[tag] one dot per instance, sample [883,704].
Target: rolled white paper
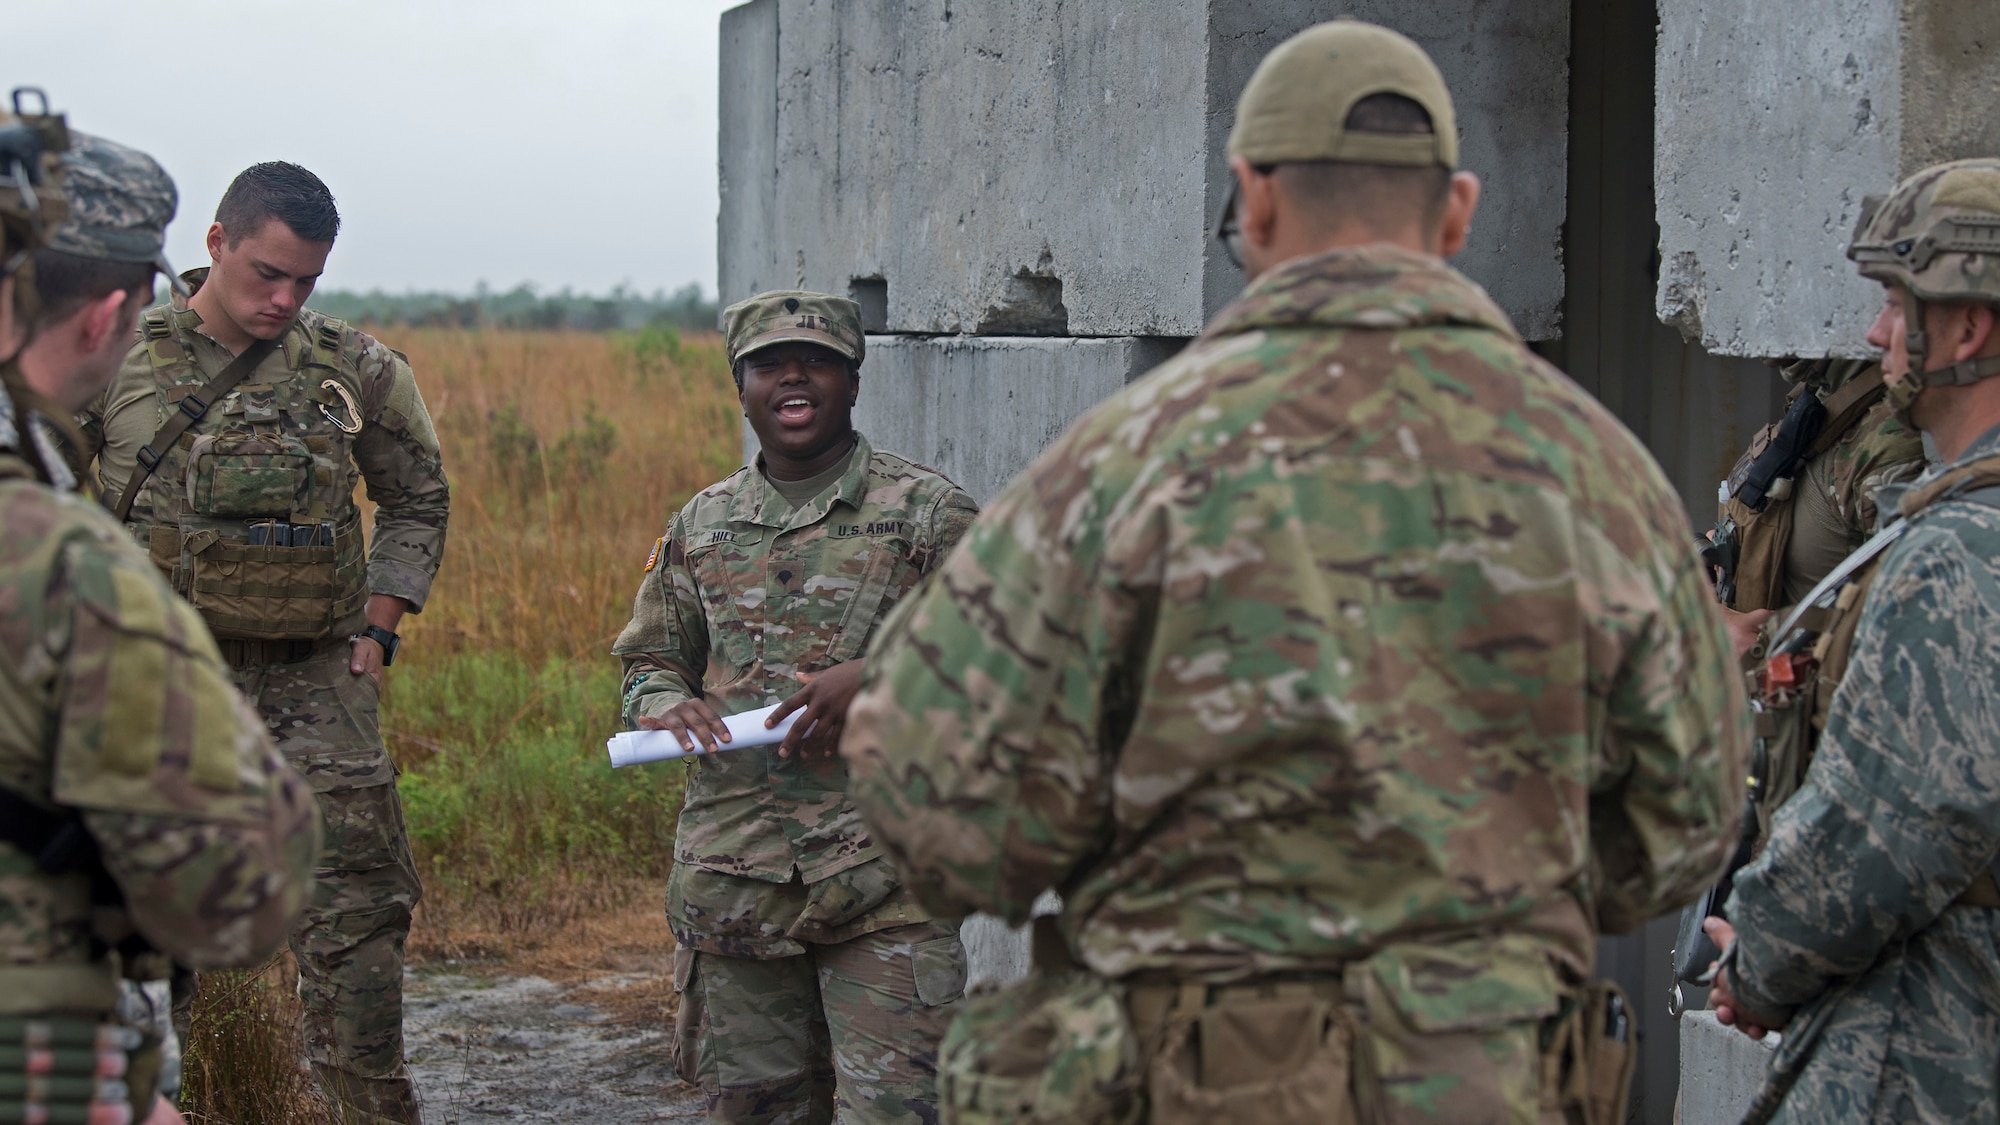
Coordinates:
[637,747]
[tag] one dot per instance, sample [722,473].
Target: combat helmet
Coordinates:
[1935,238]
[31,201]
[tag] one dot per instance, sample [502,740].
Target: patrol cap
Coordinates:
[120,202]
[1294,111]
[793,315]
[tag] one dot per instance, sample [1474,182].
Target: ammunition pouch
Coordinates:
[261,592]
[74,1067]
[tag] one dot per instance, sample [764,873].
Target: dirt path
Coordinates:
[524,1048]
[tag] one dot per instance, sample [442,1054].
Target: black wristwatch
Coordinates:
[390,642]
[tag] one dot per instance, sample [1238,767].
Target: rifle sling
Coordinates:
[192,409]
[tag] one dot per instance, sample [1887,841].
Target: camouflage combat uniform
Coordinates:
[116,708]
[1830,509]
[353,406]
[782,905]
[1355,644]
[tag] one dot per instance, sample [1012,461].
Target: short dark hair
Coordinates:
[66,282]
[277,189]
[1379,194]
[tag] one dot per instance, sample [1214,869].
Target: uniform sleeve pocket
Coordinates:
[939,965]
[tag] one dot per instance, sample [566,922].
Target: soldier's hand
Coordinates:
[1743,628]
[694,723]
[364,657]
[824,701]
[1728,1010]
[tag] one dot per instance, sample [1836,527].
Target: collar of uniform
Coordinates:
[1984,446]
[759,503]
[187,324]
[1373,286]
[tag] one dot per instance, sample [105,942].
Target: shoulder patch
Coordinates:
[653,559]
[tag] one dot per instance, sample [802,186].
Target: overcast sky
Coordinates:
[561,142]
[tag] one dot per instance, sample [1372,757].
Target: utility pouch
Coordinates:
[241,475]
[1055,1049]
[76,1069]
[260,592]
[1257,1058]
[1587,1060]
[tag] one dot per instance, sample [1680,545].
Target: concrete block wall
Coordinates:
[1007,168]
[1774,120]
[1721,1070]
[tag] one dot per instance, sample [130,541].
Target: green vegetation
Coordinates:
[512,803]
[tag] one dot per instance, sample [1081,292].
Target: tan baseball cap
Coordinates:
[1294,111]
[788,316]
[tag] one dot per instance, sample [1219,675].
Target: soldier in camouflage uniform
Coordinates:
[144,813]
[795,935]
[1869,928]
[1348,675]
[250,513]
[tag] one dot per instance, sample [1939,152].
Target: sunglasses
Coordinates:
[1227,230]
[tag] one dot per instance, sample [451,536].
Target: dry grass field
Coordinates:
[567,454]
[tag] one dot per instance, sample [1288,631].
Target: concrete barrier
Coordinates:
[1773,121]
[1007,168]
[1721,1070]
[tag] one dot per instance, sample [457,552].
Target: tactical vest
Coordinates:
[1791,691]
[1764,523]
[252,517]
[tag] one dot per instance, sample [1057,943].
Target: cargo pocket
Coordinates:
[939,965]
[1261,1060]
[1455,1025]
[684,1045]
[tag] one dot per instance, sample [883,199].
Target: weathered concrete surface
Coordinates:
[1007,168]
[1508,68]
[979,410]
[1721,1070]
[1773,121]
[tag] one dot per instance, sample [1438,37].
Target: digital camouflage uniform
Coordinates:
[116,707]
[1871,922]
[1353,644]
[792,927]
[1848,922]
[343,408]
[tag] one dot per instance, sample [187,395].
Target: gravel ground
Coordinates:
[523,1048]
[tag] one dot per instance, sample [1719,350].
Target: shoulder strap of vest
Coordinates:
[155,324]
[1953,484]
[1823,595]
[192,409]
[1847,406]
[1984,474]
